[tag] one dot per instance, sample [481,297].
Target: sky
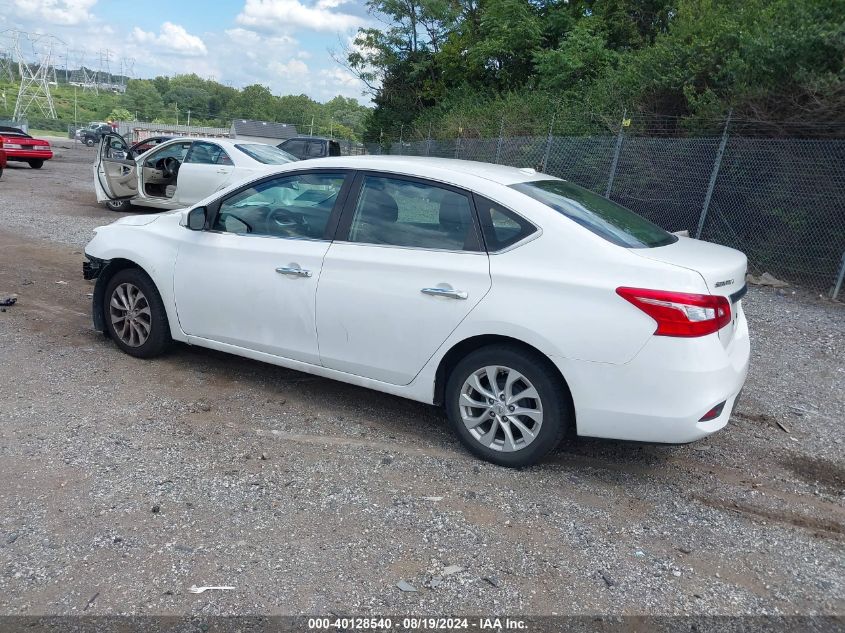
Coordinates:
[283,44]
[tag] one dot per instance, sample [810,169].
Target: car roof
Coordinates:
[438,168]
[305,137]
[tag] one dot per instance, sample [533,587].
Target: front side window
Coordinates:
[315,149]
[597,214]
[408,213]
[295,206]
[176,150]
[203,153]
[295,147]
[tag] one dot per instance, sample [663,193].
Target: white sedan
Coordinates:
[179,172]
[524,304]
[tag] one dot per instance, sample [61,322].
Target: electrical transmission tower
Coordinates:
[104,78]
[35,55]
[82,76]
[127,72]
[6,69]
[7,51]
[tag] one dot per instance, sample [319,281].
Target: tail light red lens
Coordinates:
[680,313]
[713,413]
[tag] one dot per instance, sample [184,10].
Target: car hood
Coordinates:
[136,220]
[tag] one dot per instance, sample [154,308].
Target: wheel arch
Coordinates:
[109,270]
[469,345]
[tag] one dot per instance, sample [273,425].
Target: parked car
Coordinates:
[20,146]
[2,161]
[147,144]
[304,147]
[524,304]
[94,132]
[177,172]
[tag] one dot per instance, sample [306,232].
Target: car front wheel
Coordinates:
[36,164]
[89,142]
[118,205]
[135,315]
[507,405]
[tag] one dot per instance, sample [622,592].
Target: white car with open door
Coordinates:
[177,173]
[524,304]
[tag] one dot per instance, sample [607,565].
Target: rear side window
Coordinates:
[501,227]
[413,214]
[207,154]
[334,148]
[597,214]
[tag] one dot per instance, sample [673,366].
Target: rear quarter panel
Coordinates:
[558,291]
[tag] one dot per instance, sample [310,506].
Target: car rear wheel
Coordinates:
[135,315]
[507,405]
[36,164]
[118,205]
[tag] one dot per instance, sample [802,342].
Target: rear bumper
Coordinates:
[25,154]
[662,394]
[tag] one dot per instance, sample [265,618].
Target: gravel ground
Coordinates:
[124,482]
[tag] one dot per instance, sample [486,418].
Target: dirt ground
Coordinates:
[124,482]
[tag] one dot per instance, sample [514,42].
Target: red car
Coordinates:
[2,161]
[21,146]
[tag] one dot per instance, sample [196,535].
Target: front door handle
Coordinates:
[295,271]
[222,171]
[445,292]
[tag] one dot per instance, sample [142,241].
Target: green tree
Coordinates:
[254,102]
[143,98]
[120,114]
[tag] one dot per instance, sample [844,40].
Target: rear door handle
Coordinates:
[222,171]
[294,271]
[445,292]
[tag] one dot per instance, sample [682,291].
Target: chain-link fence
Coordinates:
[779,200]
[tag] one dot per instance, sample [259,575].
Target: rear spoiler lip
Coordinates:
[739,294]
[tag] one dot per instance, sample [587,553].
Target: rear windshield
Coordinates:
[266,154]
[596,213]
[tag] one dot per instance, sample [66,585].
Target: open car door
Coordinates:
[115,170]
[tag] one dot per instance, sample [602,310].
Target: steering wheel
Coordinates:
[284,220]
[170,167]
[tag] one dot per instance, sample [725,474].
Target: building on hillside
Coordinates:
[262,131]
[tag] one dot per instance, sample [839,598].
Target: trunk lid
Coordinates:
[722,268]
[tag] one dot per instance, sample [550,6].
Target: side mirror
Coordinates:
[196,218]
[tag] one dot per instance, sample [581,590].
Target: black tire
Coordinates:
[158,338]
[90,142]
[118,205]
[36,163]
[554,403]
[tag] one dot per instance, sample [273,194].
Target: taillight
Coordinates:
[680,313]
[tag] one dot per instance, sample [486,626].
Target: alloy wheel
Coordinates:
[501,408]
[130,314]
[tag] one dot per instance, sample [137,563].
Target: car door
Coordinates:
[250,278]
[115,170]
[406,267]
[207,168]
